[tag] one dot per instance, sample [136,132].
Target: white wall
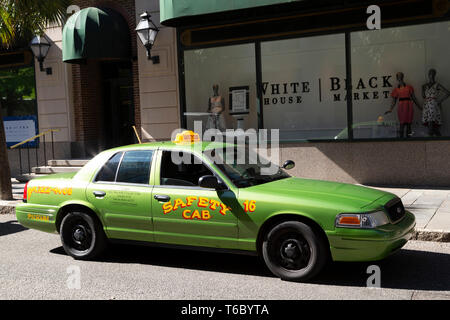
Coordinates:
[158,83]
[53,91]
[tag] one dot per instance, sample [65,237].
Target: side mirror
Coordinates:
[210,182]
[288,165]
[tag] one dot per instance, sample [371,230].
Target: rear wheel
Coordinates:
[82,236]
[292,250]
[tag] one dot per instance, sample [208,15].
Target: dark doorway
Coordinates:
[118,104]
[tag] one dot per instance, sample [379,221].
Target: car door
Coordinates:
[121,192]
[184,213]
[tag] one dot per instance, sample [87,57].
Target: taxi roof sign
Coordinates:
[187,136]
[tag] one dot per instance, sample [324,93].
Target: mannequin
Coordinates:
[404,95]
[431,116]
[216,106]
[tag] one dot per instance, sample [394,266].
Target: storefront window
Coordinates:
[417,55]
[220,85]
[17,92]
[400,85]
[303,87]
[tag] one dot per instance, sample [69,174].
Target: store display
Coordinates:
[216,106]
[403,95]
[431,115]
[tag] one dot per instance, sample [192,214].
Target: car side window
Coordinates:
[135,167]
[108,172]
[185,173]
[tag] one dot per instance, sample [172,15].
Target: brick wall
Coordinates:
[87,87]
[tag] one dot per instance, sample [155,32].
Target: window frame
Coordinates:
[258,60]
[151,165]
[32,65]
[204,161]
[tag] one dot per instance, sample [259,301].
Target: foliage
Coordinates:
[17,91]
[21,19]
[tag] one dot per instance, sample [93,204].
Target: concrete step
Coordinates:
[67,163]
[50,170]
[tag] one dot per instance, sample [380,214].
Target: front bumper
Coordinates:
[370,244]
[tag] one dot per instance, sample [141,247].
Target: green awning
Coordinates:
[174,9]
[94,33]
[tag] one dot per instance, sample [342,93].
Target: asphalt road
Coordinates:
[33,265]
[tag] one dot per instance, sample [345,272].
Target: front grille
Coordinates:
[395,210]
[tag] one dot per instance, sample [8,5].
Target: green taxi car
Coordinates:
[138,193]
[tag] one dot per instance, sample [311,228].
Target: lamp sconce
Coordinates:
[40,45]
[147,32]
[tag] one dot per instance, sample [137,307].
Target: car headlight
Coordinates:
[362,220]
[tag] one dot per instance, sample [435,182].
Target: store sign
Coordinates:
[18,129]
[369,88]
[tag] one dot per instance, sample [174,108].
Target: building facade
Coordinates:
[311,69]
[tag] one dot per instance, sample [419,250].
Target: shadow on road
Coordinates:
[10,227]
[179,258]
[407,269]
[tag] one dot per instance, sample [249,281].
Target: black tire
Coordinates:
[82,236]
[293,251]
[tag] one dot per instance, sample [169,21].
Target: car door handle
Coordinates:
[99,194]
[162,198]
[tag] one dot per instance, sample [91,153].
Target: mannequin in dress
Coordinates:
[216,106]
[431,115]
[404,96]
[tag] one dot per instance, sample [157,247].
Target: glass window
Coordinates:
[221,87]
[245,169]
[186,173]
[406,69]
[135,167]
[108,171]
[304,87]
[17,92]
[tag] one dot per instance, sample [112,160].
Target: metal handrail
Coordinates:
[26,145]
[137,135]
[34,138]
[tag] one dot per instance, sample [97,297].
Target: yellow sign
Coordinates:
[38,217]
[201,202]
[187,136]
[48,190]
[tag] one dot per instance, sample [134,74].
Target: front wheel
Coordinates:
[293,251]
[82,236]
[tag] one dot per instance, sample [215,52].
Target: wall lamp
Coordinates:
[40,45]
[147,32]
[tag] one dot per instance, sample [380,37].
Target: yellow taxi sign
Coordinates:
[187,136]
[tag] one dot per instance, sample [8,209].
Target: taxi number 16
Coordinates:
[249,205]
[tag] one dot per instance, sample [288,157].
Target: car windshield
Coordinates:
[244,167]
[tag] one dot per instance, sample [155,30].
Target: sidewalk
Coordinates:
[430,206]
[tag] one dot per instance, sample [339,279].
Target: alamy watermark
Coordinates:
[72,9]
[73,281]
[374,280]
[374,20]
[245,147]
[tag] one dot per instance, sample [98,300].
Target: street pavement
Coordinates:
[33,265]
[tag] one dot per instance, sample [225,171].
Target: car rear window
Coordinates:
[135,167]
[108,171]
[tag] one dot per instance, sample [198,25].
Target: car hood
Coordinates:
[323,191]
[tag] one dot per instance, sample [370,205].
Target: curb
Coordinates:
[7,209]
[419,234]
[431,235]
